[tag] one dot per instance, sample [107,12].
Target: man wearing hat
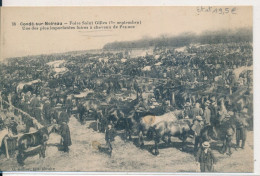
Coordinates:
[196,111]
[65,136]
[187,110]
[227,143]
[214,111]
[207,113]
[47,111]
[109,137]
[198,124]
[240,133]
[205,158]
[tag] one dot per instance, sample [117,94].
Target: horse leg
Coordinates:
[156,142]
[44,150]
[215,131]
[98,125]
[224,147]
[130,135]
[184,138]
[196,144]
[125,135]
[20,158]
[156,152]
[169,139]
[141,140]
[40,153]
[164,139]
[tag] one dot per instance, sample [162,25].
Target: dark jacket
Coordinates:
[13,127]
[241,131]
[206,160]
[65,134]
[196,112]
[203,157]
[64,117]
[110,134]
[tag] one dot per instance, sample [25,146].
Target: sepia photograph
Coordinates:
[127,89]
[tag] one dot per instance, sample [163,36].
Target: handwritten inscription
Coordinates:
[217,10]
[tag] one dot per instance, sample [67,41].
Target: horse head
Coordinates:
[47,130]
[188,126]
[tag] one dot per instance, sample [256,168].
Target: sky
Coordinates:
[155,22]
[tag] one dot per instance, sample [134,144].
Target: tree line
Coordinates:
[207,37]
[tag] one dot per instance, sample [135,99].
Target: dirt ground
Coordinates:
[84,155]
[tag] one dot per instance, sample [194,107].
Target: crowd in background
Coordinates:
[201,80]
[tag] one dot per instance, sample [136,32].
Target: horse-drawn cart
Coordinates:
[27,144]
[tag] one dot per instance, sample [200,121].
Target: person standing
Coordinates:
[81,110]
[64,117]
[196,111]
[207,114]
[109,137]
[205,158]
[227,142]
[198,124]
[65,137]
[214,111]
[241,133]
[13,126]
[47,111]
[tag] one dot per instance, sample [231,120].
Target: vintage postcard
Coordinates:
[127,89]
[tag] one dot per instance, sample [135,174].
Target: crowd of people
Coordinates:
[206,82]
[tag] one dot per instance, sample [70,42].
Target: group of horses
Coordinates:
[156,128]
[162,128]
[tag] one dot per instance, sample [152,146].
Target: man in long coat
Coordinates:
[229,132]
[196,111]
[198,126]
[207,114]
[65,136]
[47,111]
[205,158]
[214,111]
[241,133]
[109,137]
[64,117]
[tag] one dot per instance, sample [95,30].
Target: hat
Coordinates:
[206,144]
[213,99]
[231,113]
[207,102]
[199,118]
[187,104]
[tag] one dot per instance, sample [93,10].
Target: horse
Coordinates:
[127,124]
[31,144]
[159,127]
[180,129]
[217,132]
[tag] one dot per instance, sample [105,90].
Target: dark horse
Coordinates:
[159,127]
[31,144]
[221,131]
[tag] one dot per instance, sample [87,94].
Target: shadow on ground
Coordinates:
[187,147]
